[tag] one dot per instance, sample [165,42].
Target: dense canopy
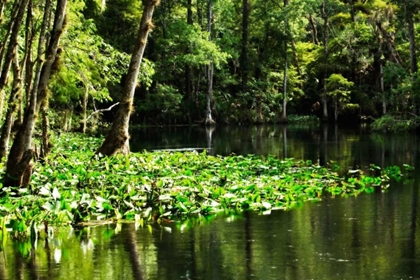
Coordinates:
[247,61]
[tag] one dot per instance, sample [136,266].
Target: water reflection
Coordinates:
[350,148]
[373,236]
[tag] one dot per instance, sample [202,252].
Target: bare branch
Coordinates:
[102,110]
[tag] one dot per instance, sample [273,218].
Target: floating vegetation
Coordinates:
[389,123]
[76,187]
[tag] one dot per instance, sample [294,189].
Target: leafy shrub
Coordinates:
[302,119]
[395,124]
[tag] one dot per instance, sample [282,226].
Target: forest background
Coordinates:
[246,61]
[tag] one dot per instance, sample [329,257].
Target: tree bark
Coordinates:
[411,36]
[210,70]
[390,43]
[325,41]
[45,143]
[335,109]
[19,164]
[244,51]
[10,53]
[15,98]
[314,30]
[29,64]
[13,103]
[188,85]
[13,16]
[413,55]
[284,105]
[84,108]
[2,4]
[381,71]
[117,140]
[283,118]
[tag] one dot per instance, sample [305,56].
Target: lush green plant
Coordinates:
[165,185]
[306,119]
[395,124]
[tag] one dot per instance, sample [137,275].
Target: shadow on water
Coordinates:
[372,236]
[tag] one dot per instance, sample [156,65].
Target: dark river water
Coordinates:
[371,236]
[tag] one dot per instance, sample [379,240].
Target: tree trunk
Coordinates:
[381,71]
[283,118]
[210,70]
[325,41]
[19,166]
[284,112]
[244,51]
[13,17]
[209,120]
[413,56]
[335,109]
[285,142]
[13,102]
[188,85]
[10,53]
[390,43]
[353,53]
[29,64]
[65,120]
[84,108]
[411,36]
[314,30]
[45,143]
[2,4]
[117,140]
[51,53]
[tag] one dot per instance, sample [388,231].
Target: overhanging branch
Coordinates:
[102,110]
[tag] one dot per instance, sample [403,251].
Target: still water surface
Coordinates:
[372,236]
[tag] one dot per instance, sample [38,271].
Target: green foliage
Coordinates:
[118,23]
[90,64]
[337,87]
[77,186]
[309,119]
[201,51]
[362,36]
[162,105]
[395,124]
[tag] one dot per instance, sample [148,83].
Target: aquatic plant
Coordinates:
[303,119]
[77,187]
[389,123]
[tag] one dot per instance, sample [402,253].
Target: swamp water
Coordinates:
[372,236]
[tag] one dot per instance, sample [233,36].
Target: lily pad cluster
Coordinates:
[76,186]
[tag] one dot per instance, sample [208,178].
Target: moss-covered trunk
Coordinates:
[19,166]
[117,140]
[14,99]
[2,5]
[14,30]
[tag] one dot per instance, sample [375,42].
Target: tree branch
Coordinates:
[102,110]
